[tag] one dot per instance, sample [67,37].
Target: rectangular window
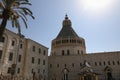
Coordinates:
[50,65]
[0,54]
[18,71]
[104,63]
[33,49]
[19,58]
[21,45]
[113,63]
[43,71]
[100,63]
[78,52]
[33,60]
[43,62]
[44,52]
[62,52]
[65,65]
[38,61]
[72,64]
[13,43]
[38,70]
[118,62]
[39,50]
[10,56]
[95,63]
[58,65]
[80,64]
[9,70]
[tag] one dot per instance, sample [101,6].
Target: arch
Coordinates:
[108,71]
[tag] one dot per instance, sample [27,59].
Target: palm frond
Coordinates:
[23,15]
[26,10]
[24,21]
[17,24]
[23,3]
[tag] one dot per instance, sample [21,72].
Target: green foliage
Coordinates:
[16,9]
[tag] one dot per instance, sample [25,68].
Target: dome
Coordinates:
[67,31]
[66,22]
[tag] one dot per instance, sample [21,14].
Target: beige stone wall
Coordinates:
[98,62]
[73,50]
[25,66]
[40,69]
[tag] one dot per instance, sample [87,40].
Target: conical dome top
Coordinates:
[67,30]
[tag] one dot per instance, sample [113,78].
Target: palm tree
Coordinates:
[14,10]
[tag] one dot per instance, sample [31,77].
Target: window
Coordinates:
[118,62]
[9,70]
[38,61]
[100,63]
[19,58]
[104,63]
[2,40]
[95,63]
[33,60]
[113,63]
[13,43]
[78,52]
[18,71]
[43,62]
[38,70]
[58,65]
[62,52]
[81,52]
[65,65]
[0,54]
[43,71]
[80,64]
[39,50]
[50,65]
[44,52]
[10,56]
[21,45]
[68,52]
[72,64]
[33,48]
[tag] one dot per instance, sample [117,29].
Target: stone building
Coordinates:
[22,57]
[68,56]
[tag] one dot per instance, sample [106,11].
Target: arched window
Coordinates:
[108,72]
[2,40]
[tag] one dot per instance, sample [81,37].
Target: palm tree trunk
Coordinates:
[5,16]
[2,27]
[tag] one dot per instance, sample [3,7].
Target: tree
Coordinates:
[14,10]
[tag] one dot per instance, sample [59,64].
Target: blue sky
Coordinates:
[100,27]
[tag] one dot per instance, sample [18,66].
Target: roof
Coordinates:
[67,30]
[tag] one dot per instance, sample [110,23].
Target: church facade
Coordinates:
[68,59]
